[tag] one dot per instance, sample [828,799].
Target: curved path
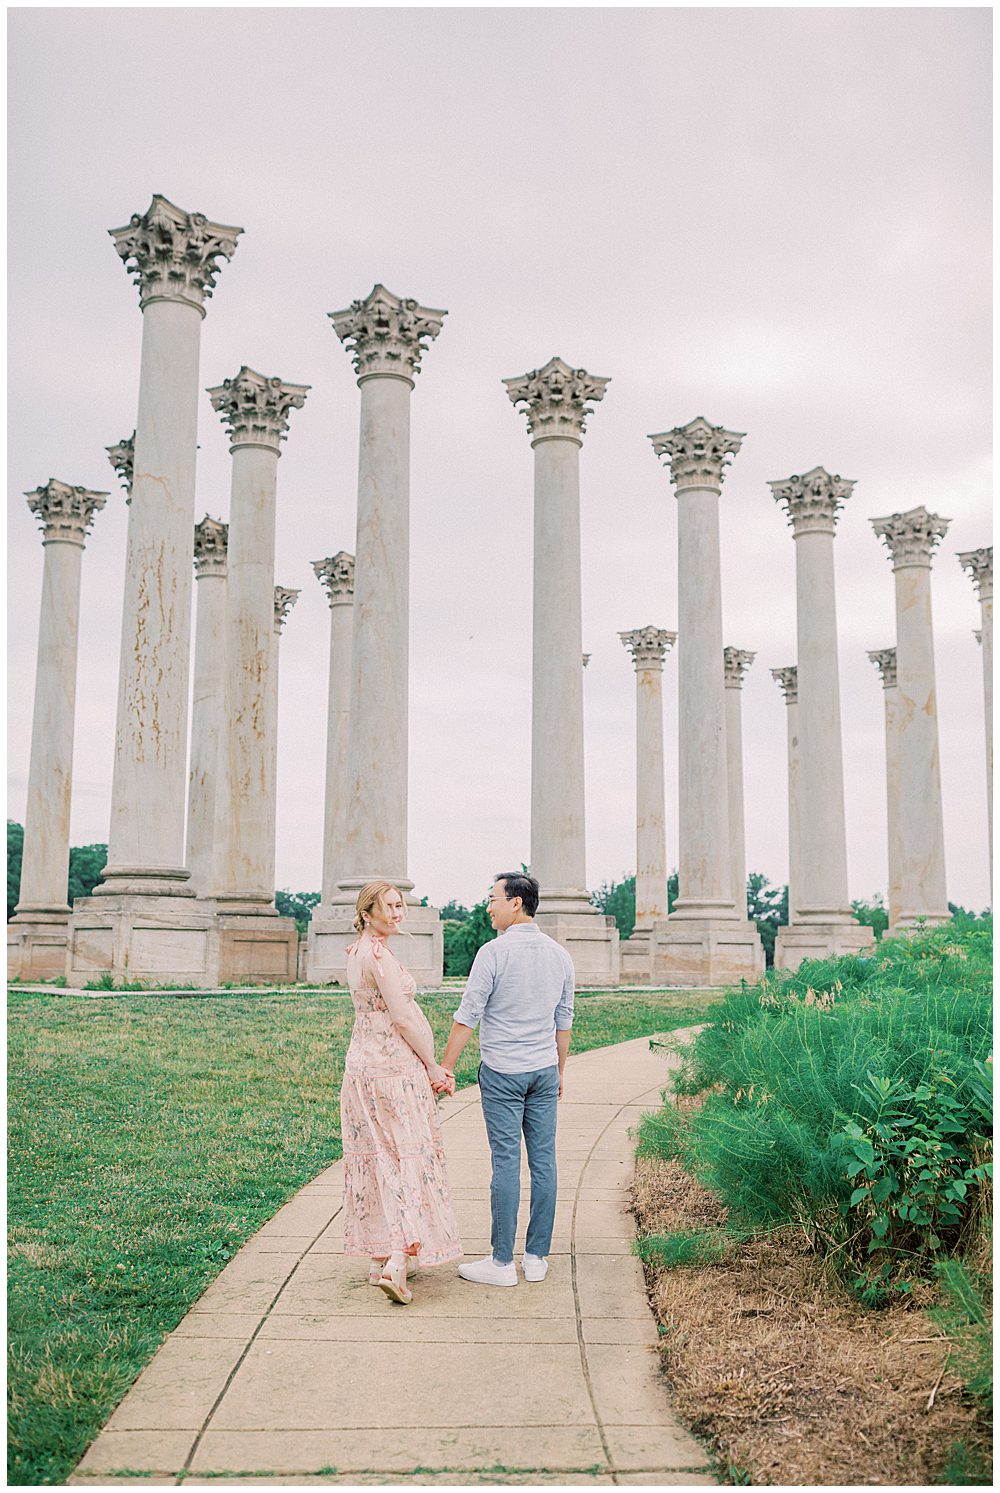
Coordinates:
[290,1368]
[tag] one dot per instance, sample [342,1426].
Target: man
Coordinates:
[520,995]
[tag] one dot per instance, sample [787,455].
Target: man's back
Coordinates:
[520,992]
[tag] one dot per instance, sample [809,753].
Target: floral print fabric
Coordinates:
[396,1192]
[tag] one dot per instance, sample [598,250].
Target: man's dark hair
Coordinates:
[517,884]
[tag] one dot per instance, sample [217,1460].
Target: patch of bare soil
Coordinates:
[789,1378]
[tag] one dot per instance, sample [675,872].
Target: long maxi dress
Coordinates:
[396,1191]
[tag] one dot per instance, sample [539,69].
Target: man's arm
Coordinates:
[562,1047]
[478,989]
[564,1021]
[457,1039]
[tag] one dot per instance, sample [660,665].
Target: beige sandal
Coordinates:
[393,1283]
[376,1268]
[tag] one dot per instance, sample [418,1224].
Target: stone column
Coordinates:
[174,257]
[37,938]
[285,598]
[648,647]
[707,939]
[736,661]
[788,682]
[556,400]
[824,925]
[884,660]
[255,409]
[208,721]
[979,564]
[336,573]
[386,337]
[122,458]
[910,539]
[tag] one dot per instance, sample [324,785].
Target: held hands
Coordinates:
[442,1079]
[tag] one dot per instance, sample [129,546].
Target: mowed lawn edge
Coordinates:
[149,1138]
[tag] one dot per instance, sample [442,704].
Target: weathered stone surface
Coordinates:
[885,661]
[648,647]
[736,662]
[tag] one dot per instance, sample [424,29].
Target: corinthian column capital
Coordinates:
[648,646]
[285,598]
[788,682]
[979,564]
[65,513]
[911,537]
[736,661]
[211,542]
[387,334]
[256,408]
[556,399]
[336,574]
[812,501]
[698,453]
[172,255]
[884,660]
[122,458]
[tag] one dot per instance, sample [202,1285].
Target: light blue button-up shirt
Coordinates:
[519,993]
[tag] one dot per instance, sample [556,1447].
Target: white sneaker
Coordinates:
[486,1272]
[534,1268]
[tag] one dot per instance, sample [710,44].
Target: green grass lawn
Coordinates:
[149,1137]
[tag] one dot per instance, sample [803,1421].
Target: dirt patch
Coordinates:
[783,1372]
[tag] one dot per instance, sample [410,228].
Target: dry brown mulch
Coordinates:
[784,1373]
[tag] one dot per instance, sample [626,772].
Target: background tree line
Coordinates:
[466,929]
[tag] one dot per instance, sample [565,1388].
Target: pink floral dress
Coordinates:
[396,1192]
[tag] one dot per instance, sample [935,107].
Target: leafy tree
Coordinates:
[464,939]
[966,915]
[86,867]
[454,912]
[616,899]
[872,914]
[297,905]
[767,906]
[15,847]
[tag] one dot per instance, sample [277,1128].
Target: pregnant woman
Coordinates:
[397,1201]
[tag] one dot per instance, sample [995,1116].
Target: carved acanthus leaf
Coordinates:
[64,512]
[979,564]
[173,255]
[336,574]
[385,333]
[884,660]
[698,452]
[256,408]
[736,661]
[211,543]
[911,537]
[122,458]
[788,682]
[648,645]
[285,598]
[586,659]
[556,398]
[812,501]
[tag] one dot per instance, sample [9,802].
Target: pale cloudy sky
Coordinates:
[776,218]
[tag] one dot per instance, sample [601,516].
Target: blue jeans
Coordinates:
[512,1103]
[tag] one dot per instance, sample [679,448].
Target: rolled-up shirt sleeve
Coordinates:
[478,988]
[564,1010]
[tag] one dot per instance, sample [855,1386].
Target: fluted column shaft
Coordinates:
[648,647]
[284,599]
[45,857]
[736,662]
[208,723]
[558,842]
[885,661]
[337,575]
[911,538]
[979,564]
[787,680]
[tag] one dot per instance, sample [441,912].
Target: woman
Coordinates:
[397,1202]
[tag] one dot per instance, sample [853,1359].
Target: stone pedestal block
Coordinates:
[590,939]
[36,947]
[420,946]
[262,950]
[163,940]
[635,957]
[705,951]
[802,941]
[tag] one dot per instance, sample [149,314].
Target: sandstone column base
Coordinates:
[420,946]
[36,946]
[705,951]
[799,941]
[161,940]
[636,953]
[916,922]
[257,949]
[590,938]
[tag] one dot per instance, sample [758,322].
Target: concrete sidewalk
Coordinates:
[292,1369]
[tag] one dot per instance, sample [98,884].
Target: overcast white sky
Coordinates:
[775,218]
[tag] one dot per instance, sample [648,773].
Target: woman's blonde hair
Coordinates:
[370,897]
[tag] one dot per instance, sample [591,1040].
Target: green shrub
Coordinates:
[683,1247]
[964,1318]
[853,1099]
